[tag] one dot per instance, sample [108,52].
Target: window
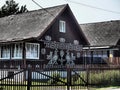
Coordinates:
[76,42]
[17,51]
[99,57]
[104,54]
[88,57]
[32,51]
[5,52]
[62,26]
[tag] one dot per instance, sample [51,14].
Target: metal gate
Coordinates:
[44,79]
[62,78]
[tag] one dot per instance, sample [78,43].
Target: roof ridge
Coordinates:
[100,22]
[63,5]
[102,33]
[31,24]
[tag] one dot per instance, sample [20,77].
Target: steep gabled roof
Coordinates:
[102,33]
[28,25]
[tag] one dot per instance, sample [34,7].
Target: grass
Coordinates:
[109,88]
[99,78]
[55,88]
[106,78]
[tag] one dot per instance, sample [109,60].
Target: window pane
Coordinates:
[32,51]
[95,57]
[62,26]
[17,51]
[105,54]
[5,52]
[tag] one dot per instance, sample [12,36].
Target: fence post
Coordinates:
[29,79]
[68,78]
[88,74]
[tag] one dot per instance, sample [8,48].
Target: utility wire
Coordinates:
[90,6]
[43,8]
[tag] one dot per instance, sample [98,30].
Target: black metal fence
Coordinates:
[59,78]
[93,69]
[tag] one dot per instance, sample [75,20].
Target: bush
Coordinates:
[105,78]
[101,78]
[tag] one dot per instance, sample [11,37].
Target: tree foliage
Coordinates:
[11,7]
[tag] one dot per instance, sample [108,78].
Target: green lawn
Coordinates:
[58,88]
[110,88]
[107,88]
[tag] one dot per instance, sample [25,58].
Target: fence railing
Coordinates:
[73,78]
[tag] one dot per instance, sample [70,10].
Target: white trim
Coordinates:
[38,50]
[96,47]
[4,58]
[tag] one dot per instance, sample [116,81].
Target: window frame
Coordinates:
[62,26]
[2,52]
[37,53]
[12,52]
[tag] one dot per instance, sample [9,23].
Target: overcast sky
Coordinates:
[83,13]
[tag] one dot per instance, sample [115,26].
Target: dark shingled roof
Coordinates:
[28,25]
[102,33]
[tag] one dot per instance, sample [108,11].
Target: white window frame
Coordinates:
[62,26]
[14,51]
[1,52]
[28,57]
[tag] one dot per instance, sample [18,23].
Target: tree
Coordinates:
[11,7]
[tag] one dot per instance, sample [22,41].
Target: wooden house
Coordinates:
[104,38]
[41,37]
[52,36]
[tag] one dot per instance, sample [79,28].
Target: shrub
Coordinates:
[101,78]
[105,78]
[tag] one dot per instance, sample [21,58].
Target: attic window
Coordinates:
[62,26]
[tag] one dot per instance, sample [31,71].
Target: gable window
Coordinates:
[5,52]
[17,51]
[32,50]
[62,26]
